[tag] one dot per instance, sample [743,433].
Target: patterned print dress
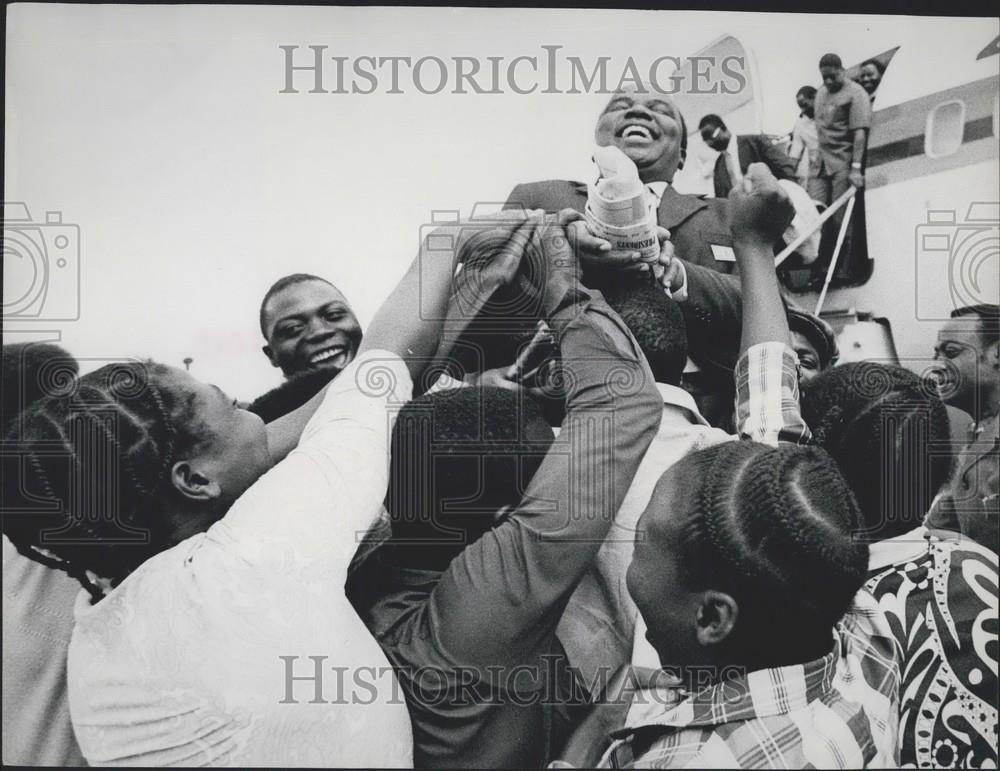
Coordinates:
[939,593]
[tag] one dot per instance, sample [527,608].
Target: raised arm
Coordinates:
[501,597]
[520,198]
[767,390]
[409,322]
[330,488]
[758,217]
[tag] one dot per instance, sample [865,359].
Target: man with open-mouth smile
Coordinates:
[646,125]
[308,325]
[647,129]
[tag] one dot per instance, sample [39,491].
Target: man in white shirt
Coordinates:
[805,140]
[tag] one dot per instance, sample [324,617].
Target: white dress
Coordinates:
[238,646]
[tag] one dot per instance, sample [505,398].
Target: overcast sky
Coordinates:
[161,132]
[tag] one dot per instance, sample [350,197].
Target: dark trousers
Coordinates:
[826,187]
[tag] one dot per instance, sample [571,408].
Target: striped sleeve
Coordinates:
[767,395]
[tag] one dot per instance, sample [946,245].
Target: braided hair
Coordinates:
[30,372]
[888,430]
[87,472]
[772,527]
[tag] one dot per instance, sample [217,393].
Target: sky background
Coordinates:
[161,132]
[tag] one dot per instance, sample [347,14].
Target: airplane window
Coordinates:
[945,125]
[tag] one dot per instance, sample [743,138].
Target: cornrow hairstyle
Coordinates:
[888,430]
[280,285]
[458,456]
[30,372]
[657,324]
[86,476]
[291,394]
[772,527]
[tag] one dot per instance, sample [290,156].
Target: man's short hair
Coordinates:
[657,324]
[809,92]
[460,455]
[712,120]
[989,319]
[280,285]
[830,60]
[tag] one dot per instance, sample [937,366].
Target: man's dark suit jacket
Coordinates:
[713,312]
[753,148]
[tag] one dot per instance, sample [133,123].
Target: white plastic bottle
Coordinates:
[619,208]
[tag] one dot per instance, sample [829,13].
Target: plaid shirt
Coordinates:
[839,711]
[767,395]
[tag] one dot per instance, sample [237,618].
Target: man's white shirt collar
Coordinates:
[657,188]
[732,149]
[678,397]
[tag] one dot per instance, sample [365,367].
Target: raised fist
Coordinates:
[759,210]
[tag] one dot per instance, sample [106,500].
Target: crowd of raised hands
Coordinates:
[506,535]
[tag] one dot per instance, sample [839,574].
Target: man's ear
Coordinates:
[270,355]
[189,483]
[716,617]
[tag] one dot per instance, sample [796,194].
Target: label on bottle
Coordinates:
[629,225]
